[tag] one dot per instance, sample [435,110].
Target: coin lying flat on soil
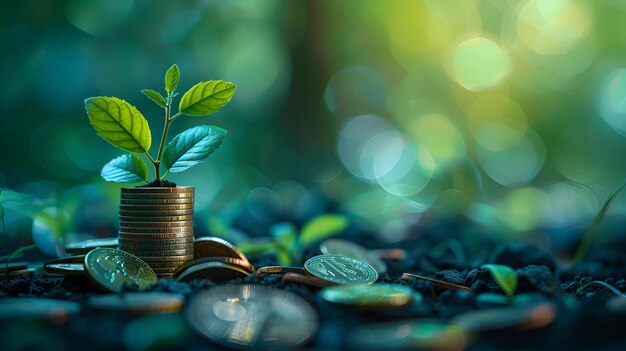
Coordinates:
[341,270]
[65,268]
[350,249]
[306,280]
[138,302]
[110,269]
[375,296]
[251,317]
[21,307]
[263,271]
[82,247]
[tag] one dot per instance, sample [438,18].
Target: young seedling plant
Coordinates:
[506,278]
[288,245]
[123,126]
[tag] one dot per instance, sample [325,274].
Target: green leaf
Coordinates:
[283,257]
[322,227]
[205,98]
[119,123]
[505,276]
[1,211]
[171,78]
[191,147]
[254,248]
[8,195]
[155,96]
[125,169]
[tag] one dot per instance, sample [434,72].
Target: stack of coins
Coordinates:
[156,225]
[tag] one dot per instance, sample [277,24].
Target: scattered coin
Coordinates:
[65,268]
[138,302]
[213,271]
[23,307]
[407,335]
[82,247]
[263,271]
[341,270]
[439,283]
[350,249]
[208,246]
[110,269]
[13,266]
[252,317]
[67,259]
[528,316]
[306,280]
[228,260]
[375,296]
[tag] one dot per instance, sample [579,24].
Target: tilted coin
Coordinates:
[263,271]
[65,268]
[306,280]
[111,269]
[158,190]
[157,202]
[350,249]
[529,316]
[143,241]
[208,246]
[179,225]
[251,317]
[213,271]
[163,253]
[166,207]
[227,260]
[138,302]
[21,307]
[159,219]
[155,246]
[439,283]
[13,266]
[375,296]
[341,270]
[150,213]
[407,335]
[82,247]
[67,259]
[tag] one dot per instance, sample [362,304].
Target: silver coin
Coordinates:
[252,317]
[341,270]
[354,250]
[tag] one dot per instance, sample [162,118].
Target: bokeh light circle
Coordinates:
[479,64]
[613,101]
[496,122]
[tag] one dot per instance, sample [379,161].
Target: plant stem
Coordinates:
[168,120]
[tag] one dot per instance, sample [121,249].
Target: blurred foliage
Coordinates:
[490,110]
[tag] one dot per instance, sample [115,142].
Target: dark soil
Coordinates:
[158,184]
[582,320]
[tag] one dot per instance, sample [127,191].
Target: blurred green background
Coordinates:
[509,113]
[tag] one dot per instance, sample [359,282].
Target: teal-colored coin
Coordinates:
[375,296]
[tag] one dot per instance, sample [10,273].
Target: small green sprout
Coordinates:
[15,254]
[123,126]
[288,246]
[601,283]
[505,276]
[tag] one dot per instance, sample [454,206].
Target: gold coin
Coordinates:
[146,196]
[126,225]
[263,271]
[157,202]
[214,271]
[226,260]
[341,270]
[161,253]
[65,268]
[111,269]
[158,190]
[134,219]
[208,246]
[375,296]
[173,231]
[156,207]
[138,302]
[156,247]
[173,258]
[150,213]
[82,247]
[306,280]
[127,241]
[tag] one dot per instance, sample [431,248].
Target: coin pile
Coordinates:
[156,225]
